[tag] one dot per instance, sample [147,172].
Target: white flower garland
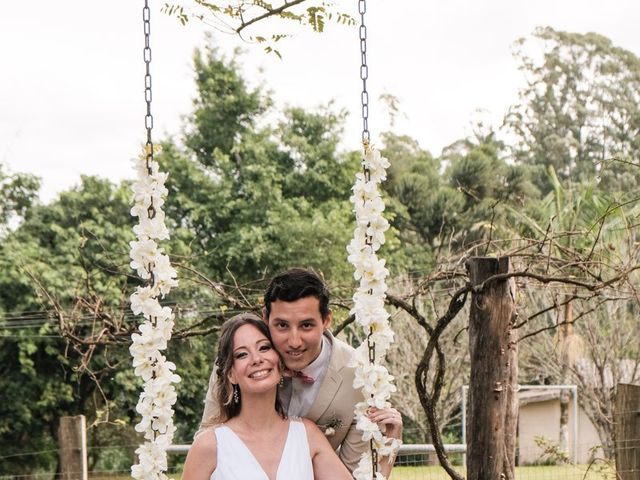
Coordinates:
[152,264]
[369,310]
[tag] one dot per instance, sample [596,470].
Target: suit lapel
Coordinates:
[329,387]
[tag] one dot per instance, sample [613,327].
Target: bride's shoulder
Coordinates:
[205,440]
[201,460]
[316,439]
[305,421]
[311,428]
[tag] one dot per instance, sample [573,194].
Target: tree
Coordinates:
[443,204]
[18,191]
[235,17]
[54,246]
[578,239]
[258,197]
[601,353]
[579,112]
[597,230]
[577,127]
[66,328]
[239,209]
[417,199]
[478,169]
[406,352]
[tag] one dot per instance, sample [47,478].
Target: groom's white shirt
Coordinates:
[299,396]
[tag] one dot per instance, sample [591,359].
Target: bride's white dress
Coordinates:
[236,462]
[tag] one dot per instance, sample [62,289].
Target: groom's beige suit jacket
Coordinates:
[332,408]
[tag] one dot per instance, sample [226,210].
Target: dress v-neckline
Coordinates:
[284,449]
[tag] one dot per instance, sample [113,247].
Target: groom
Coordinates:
[296,308]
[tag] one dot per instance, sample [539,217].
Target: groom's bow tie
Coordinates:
[305,378]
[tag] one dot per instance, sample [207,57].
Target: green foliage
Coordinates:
[580,220]
[551,454]
[260,199]
[237,16]
[451,201]
[223,112]
[579,113]
[18,192]
[488,184]
[58,252]
[315,17]
[413,187]
[72,255]
[176,11]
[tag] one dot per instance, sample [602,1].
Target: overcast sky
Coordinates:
[71,88]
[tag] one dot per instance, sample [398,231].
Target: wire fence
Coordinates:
[626,429]
[628,458]
[173,472]
[414,462]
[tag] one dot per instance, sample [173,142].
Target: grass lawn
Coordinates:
[436,473]
[568,472]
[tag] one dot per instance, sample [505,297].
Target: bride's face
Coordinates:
[255,361]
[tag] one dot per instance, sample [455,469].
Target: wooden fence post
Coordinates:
[72,437]
[626,431]
[493,402]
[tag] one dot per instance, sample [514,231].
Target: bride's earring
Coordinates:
[281,382]
[236,395]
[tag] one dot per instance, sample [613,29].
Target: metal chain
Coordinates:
[148,119]
[372,358]
[364,73]
[148,123]
[366,138]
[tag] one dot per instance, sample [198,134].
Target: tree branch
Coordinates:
[592,287]
[344,324]
[427,400]
[267,14]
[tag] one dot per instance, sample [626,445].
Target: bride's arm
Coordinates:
[326,464]
[202,457]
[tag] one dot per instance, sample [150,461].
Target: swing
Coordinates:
[152,264]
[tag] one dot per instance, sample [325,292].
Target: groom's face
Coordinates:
[296,329]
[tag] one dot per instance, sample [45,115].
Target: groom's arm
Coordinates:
[352,447]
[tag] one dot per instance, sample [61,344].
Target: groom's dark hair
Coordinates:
[295,284]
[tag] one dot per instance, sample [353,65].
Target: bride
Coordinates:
[252,439]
